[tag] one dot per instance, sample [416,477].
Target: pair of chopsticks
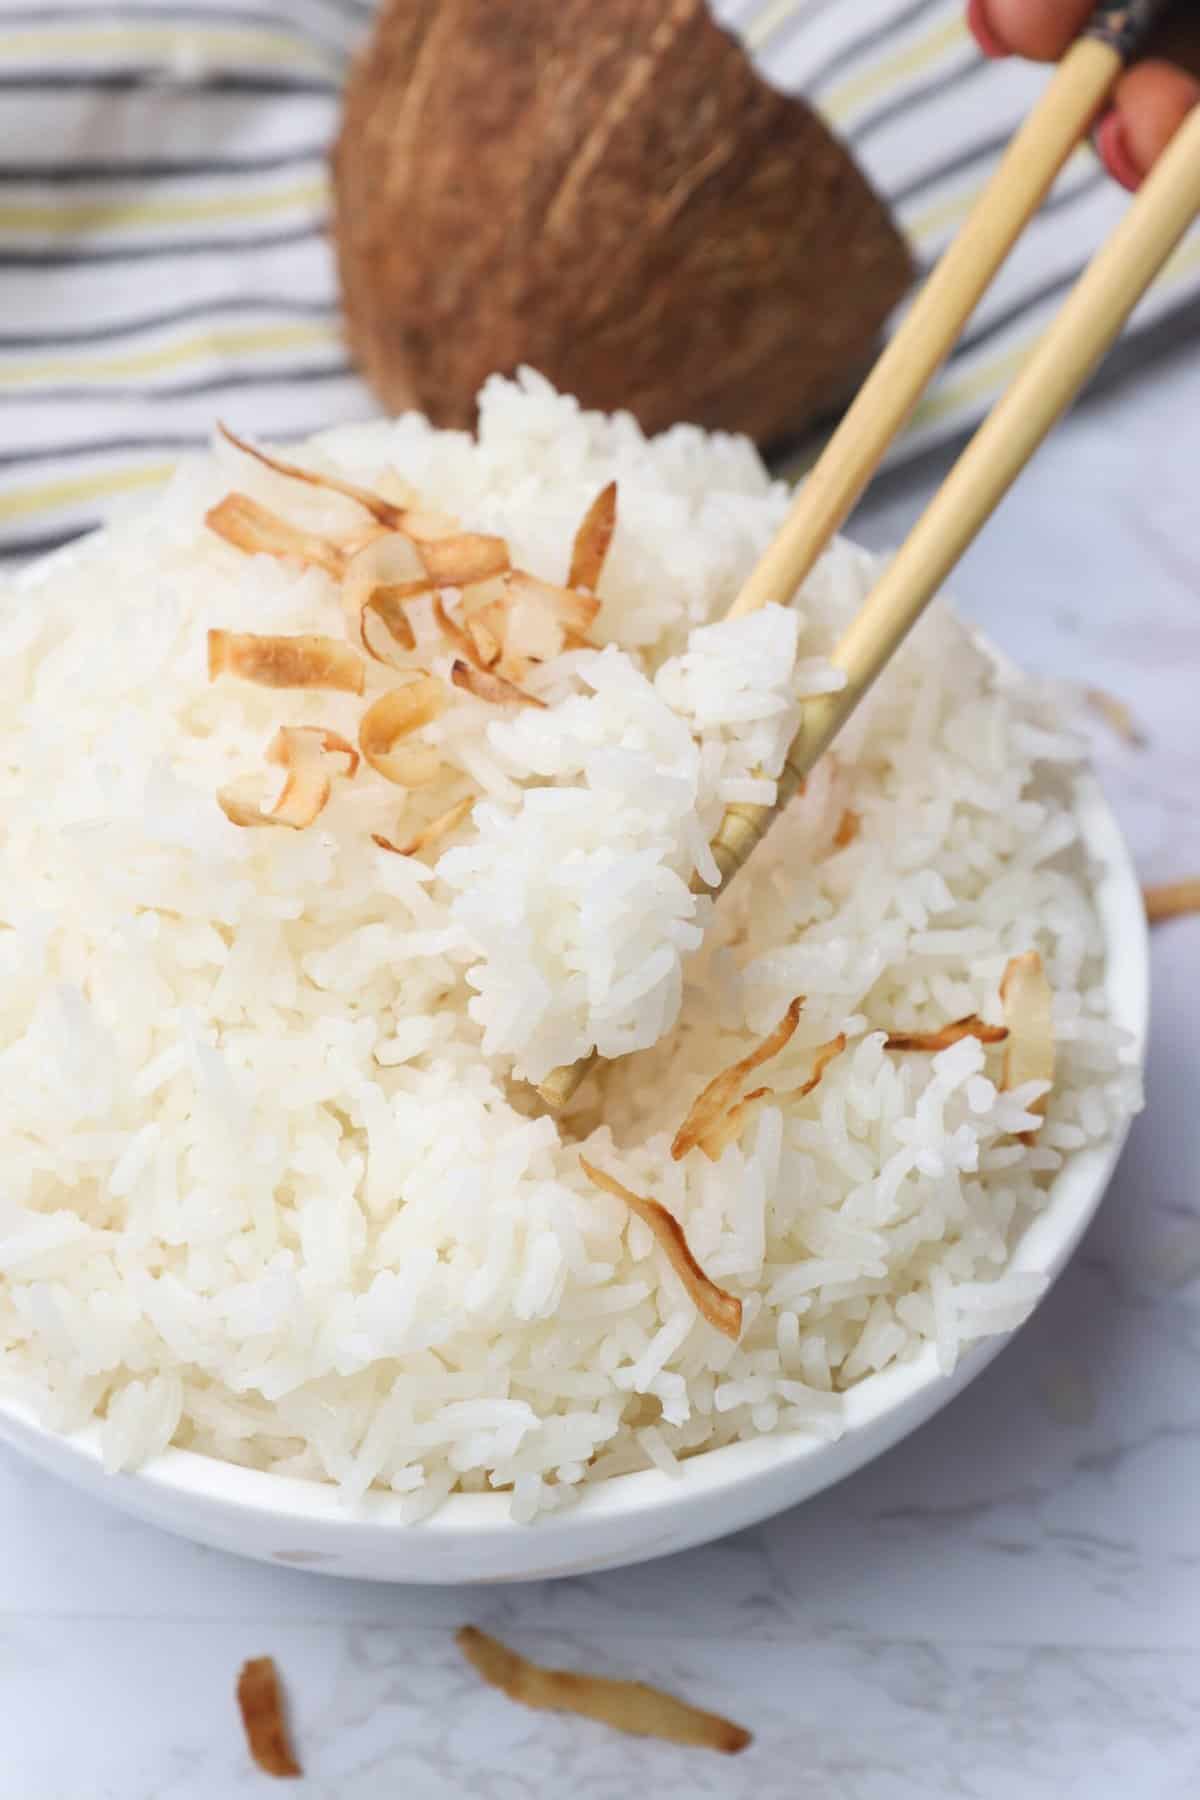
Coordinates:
[1050,380]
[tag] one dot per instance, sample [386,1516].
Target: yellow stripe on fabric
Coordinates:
[220,342]
[915,59]
[980,383]
[188,44]
[93,217]
[964,393]
[1185,261]
[766,22]
[82,488]
[938,218]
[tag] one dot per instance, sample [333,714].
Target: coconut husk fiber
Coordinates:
[604,189]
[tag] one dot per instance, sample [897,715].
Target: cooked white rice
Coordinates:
[270,1190]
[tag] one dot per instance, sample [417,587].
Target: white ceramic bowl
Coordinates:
[631,1517]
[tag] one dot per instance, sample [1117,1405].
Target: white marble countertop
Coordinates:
[1007,1607]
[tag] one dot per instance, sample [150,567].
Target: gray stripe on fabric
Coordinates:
[66,174]
[915,98]
[872,40]
[1058,202]
[1012,314]
[1164,338]
[985,150]
[993,148]
[152,75]
[24,549]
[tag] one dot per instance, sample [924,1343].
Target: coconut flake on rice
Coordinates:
[274,1191]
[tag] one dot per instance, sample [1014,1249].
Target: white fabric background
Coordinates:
[163,219]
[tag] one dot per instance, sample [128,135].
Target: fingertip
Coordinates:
[980,26]
[1115,152]
[1038,29]
[1152,101]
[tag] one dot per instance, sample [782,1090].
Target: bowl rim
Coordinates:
[1044,1247]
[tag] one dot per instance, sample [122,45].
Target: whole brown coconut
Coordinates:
[604,189]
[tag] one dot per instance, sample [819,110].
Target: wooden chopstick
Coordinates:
[885,402]
[1050,380]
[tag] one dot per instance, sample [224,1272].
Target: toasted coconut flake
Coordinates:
[378,580]
[380,509]
[285,662]
[385,626]
[593,538]
[573,610]
[849,826]
[945,1035]
[487,614]
[1172,900]
[486,685]
[629,1706]
[260,1701]
[1116,715]
[451,628]
[721,1309]
[395,716]
[715,1100]
[531,635]
[536,620]
[824,1055]
[310,754]
[476,595]
[1028,1002]
[484,643]
[354,541]
[424,525]
[241,802]
[248,526]
[294,745]
[468,556]
[414,765]
[304,753]
[727,1130]
[432,833]
[393,486]
[384,560]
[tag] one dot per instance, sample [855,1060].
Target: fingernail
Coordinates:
[980,28]
[1112,145]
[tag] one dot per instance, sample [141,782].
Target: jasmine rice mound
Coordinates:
[275,1186]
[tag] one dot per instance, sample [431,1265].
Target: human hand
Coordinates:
[1151,99]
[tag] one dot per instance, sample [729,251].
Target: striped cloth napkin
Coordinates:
[163,219]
